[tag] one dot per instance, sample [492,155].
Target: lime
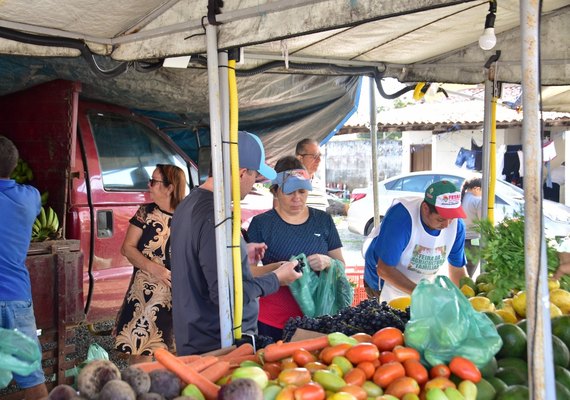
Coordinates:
[562,375]
[512,376]
[488,370]
[485,391]
[561,328]
[467,280]
[560,352]
[514,341]
[514,392]
[522,324]
[482,278]
[494,317]
[511,362]
[498,384]
[562,392]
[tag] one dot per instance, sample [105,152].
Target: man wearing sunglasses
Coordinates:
[194,264]
[309,153]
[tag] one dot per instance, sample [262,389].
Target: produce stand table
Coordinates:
[55,269]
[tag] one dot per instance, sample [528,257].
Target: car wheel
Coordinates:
[370,226]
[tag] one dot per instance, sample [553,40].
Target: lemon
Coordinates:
[508,315]
[519,303]
[561,298]
[467,291]
[400,303]
[481,304]
[485,287]
[553,284]
[555,311]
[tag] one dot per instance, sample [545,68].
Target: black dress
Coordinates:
[144,322]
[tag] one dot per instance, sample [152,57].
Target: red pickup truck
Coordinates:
[95,160]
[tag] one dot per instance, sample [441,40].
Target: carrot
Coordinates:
[277,351]
[152,365]
[238,360]
[243,350]
[187,374]
[202,363]
[216,371]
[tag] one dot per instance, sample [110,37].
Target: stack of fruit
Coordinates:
[484,297]
[46,226]
[506,375]
[22,173]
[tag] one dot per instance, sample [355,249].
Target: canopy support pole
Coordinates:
[539,346]
[222,224]
[374,143]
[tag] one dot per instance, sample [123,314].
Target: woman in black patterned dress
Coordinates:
[144,322]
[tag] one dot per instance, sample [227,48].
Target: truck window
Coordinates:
[129,151]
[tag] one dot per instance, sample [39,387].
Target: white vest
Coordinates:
[425,254]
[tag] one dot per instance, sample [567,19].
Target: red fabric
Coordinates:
[277,308]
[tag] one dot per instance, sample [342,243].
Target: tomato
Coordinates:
[329,352]
[362,352]
[440,383]
[328,380]
[310,391]
[343,362]
[335,369]
[362,337]
[387,373]
[302,357]
[416,370]
[288,363]
[354,390]
[465,369]
[368,368]
[439,370]
[273,369]
[406,353]
[287,393]
[386,357]
[294,376]
[315,366]
[355,376]
[400,386]
[388,338]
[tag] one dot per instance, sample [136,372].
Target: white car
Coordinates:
[508,200]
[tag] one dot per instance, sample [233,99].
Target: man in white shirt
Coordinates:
[309,153]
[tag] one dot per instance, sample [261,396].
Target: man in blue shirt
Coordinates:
[19,207]
[416,239]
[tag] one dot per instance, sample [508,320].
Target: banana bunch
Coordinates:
[22,173]
[46,225]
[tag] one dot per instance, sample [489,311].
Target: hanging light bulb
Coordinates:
[488,39]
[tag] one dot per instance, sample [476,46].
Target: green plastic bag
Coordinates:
[95,352]
[18,354]
[443,324]
[325,293]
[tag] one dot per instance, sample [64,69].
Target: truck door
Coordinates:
[119,152]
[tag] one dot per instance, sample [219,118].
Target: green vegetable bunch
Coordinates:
[503,254]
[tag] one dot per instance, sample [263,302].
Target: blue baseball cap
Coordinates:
[292,180]
[252,154]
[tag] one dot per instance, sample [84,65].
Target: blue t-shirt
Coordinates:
[19,207]
[395,233]
[318,235]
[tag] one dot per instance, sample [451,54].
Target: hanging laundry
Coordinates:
[466,157]
[512,164]
[478,152]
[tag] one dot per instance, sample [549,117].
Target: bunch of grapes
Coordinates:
[368,317]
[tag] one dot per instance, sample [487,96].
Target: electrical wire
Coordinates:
[84,50]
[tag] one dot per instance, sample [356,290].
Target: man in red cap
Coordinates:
[417,238]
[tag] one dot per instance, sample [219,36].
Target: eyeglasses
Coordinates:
[314,156]
[152,181]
